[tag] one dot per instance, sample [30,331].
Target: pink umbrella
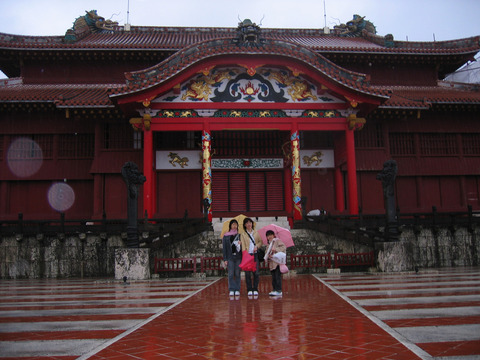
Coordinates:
[283,234]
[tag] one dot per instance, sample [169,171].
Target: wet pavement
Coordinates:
[432,314]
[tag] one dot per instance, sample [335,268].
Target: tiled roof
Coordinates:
[62,95]
[424,96]
[176,38]
[87,96]
[148,78]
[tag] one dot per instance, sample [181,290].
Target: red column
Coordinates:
[339,191]
[351,173]
[148,188]
[98,179]
[287,180]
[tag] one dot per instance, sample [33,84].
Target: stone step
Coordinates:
[261,222]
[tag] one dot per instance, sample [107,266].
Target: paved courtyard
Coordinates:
[432,314]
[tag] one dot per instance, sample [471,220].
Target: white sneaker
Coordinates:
[275,293]
[231,293]
[255,293]
[237,293]
[250,293]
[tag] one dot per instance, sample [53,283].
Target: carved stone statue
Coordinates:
[387,176]
[132,177]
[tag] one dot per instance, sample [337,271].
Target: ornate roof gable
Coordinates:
[223,51]
[242,85]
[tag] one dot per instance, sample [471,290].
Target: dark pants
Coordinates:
[276,279]
[253,274]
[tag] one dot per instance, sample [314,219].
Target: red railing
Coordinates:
[354,259]
[296,261]
[211,263]
[310,261]
[177,264]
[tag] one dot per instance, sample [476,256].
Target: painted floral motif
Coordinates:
[247,163]
[249,90]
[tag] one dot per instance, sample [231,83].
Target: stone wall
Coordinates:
[428,248]
[94,256]
[44,257]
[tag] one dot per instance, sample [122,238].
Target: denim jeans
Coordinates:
[233,269]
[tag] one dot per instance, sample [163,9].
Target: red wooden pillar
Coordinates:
[351,172]
[288,190]
[98,179]
[149,203]
[339,190]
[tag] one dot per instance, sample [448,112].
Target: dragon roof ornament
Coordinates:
[248,34]
[89,23]
[355,27]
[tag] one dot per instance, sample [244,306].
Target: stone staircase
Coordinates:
[260,222]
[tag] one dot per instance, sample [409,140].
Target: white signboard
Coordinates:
[192,160]
[178,160]
[316,159]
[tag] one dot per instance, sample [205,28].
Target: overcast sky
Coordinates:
[417,20]
[413,20]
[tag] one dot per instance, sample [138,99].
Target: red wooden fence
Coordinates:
[296,261]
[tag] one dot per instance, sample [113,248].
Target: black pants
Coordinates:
[276,279]
[253,275]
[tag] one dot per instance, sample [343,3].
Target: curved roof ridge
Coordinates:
[155,75]
[390,42]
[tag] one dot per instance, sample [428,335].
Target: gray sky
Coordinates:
[413,20]
[416,19]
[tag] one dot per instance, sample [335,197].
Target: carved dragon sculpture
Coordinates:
[355,27]
[89,23]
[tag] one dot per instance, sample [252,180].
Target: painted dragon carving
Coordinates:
[315,159]
[89,23]
[355,27]
[175,158]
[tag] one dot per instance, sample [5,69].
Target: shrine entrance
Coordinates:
[250,124]
[258,192]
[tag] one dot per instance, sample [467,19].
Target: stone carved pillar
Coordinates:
[132,177]
[387,177]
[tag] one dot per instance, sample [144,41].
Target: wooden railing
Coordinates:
[178,264]
[314,261]
[358,259]
[366,229]
[152,233]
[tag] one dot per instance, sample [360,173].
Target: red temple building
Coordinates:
[245,120]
